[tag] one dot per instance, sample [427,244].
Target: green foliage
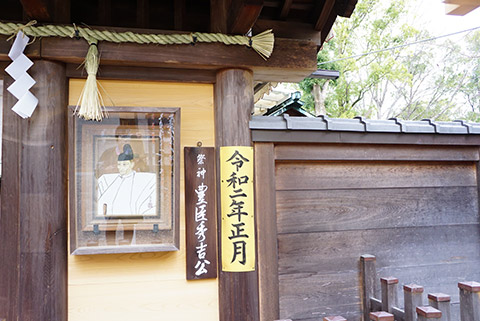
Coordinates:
[434,80]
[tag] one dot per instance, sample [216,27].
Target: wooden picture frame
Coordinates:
[124,181]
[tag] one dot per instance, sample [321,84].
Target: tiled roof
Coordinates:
[360,124]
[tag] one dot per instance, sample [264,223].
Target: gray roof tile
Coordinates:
[360,124]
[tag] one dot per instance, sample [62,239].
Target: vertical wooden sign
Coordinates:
[238,221]
[200,216]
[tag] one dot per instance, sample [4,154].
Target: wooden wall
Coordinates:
[147,286]
[414,208]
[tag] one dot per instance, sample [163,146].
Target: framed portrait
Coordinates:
[124,181]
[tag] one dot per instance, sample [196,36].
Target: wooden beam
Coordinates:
[219,16]
[243,15]
[104,12]
[287,4]
[347,10]
[324,14]
[34,233]
[39,10]
[61,11]
[57,11]
[291,60]
[288,30]
[143,16]
[146,74]
[179,14]
[327,27]
[233,94]
[293,136]
[459,10]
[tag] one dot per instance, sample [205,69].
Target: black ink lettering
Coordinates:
[239,193]
[237,233]
[234,180]
[238,160]
[237,209]
[239,248]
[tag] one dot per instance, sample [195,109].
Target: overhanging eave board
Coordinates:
[291,60]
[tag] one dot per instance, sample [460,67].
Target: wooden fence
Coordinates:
[386,307]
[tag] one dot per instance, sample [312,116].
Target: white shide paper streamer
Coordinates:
[20,88]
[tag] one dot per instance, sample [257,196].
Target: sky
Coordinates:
[438,23]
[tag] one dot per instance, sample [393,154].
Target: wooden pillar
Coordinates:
[389,293]
[441,302]
[266,227]
[33,222]
[413,298]
[238,292]
[369,280]
[469,301]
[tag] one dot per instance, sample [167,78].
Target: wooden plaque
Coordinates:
[200,217]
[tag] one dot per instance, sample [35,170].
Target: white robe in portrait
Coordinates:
[133,194]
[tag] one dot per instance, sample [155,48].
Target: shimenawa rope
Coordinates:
[90,100]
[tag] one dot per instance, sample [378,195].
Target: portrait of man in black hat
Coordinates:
[128,192]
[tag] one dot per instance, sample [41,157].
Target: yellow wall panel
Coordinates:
[147,286]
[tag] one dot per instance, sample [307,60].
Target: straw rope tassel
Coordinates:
[90,100]
[263,43]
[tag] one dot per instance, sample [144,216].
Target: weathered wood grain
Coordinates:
[350,209]
[375,152]
[337,175]
[43,286]
[243,14]
[238,292]
[266,225]
[414,246]
[324,14]
[9,206]
[369,281]
[412,298]
[441,302]
[419,217]
[36,185]
[469,301]
[389,286]
[291,60]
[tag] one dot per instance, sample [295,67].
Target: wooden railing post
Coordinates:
[369,279]
[389,293]
[469,301]
[412,295]
[428,313]
[381,316]
[440,302]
